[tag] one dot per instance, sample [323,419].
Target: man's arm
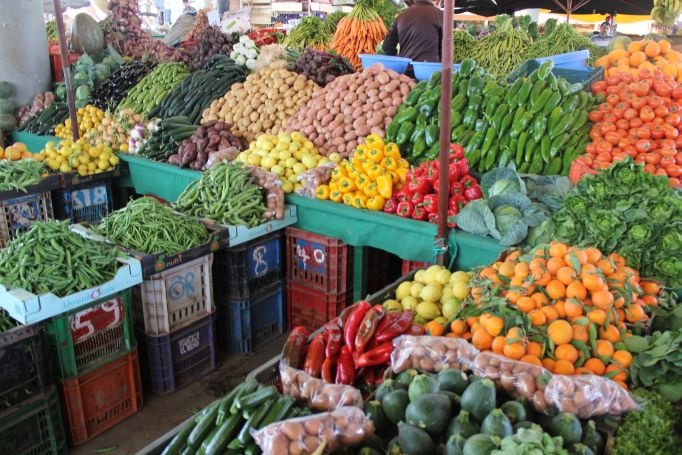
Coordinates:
[390,45]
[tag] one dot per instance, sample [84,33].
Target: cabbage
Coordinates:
[502,180]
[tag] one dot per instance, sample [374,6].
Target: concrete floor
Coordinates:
[162,413]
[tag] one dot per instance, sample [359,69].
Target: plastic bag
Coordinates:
[588,395]
[316,393]
[238,21]
[431,354]
[313,178]
[228,154]
[272,185]
[344,427]
[519,379]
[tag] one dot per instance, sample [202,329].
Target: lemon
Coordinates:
[416,289]
[102,164]
[299,168]
[459,277]
[92,166]
[84,158]
[284,155]
[409,303]
[419,276]
[64,168]
[114,160]
[403,290]
[295,147]
[392,306]
[287,187]
[254,160]
[460,290]
[277,170]
[451,308]
[94,152]
[446,294]
[431,293]
[428,310]
[443,277]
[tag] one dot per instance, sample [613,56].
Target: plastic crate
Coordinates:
[17,215]
[570,60]
[25,372]
[312,308]
[424,70]
[242,271]
[319,262]
[170,362]
[378,269]
[175,298]
[89,202]
[408,266]
[34,427]
[587,76]
[578,171]
[84,339]
[96,401]
[397,64]
[251,323]
[56,65]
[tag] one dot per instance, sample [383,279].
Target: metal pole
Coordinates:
[445,103]
[64,54]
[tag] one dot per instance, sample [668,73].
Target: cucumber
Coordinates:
[225,433]
[252,449]
[202,428]
[223,409]
[249,386]
[279,411]
[180,439]
[256,398]
[244,437]
[208,438]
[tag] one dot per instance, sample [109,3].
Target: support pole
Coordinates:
[66,68]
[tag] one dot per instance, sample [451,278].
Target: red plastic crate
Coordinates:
[312,308]
[96,401]
[408,266]
[56,62]
[319,262]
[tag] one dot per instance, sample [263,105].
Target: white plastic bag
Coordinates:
[431,354]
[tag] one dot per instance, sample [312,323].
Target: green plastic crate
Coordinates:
[34,427]
[84,339]
[585,76]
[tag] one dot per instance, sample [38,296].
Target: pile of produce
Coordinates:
[225,194]
[275,53]
[563,39]
[245,53]
[166,137]
[286,155]
[666,12]
[639,118]
[645,54]
[311,32]
[148,226]
[108,94]
[331,22]
[646,229]
[359,33]
[7,106]
[40,102]
[194,94]
[89,72]
[338,117]
[112,132]
[19,174]
[209,138]
[369,179]
[514,209]
[500,52]
[15,152]
[463,45]
[79,156]
[526,123]
[321,67]
[657,363]
[211,42]
[45,122]
[419,198]
[88,117]
[263,103]
[51,258]
[152,88]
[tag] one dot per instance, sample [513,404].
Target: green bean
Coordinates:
[19,175]
[563,39]
[502,51]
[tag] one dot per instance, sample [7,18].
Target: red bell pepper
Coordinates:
[419,213]
[405,209]
[417,185]
[354,321]
[368,327]
[473,192]
[456,202]
[328,373]
[417,198]
[433,218]
[431,203]
[315,356]
[456,188]
[390,205]
[334,336]
[456,152]
[381,355]
[463,167]
[402,194]
[295,347]
[453,173]
[345,367]
[468,181]
[432,174]
[396,327]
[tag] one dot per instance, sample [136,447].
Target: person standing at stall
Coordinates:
[419,32]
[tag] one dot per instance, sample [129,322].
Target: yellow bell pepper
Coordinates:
[375,203]
[376,154]
[389,163]
[360,152]
[375,171]
[333,186]
[348,198]
[385,186]
[392,150]
[336,196]
[402,173]
[361,181]
[371,189]
[360,201]
[322,192]
[373,139]
[403,164]
[338,172]
[346,184]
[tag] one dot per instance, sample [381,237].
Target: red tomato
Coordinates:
[595,116]
[647,114]
[674,182]
[668,144]
[636,122]
[600,87]
[613,99]
[652,158]
[643,132]
[630,114]
[673,120]
[638,103]
[639,158]
[673,170]
[655,101]
[678,158]
[662,89]
[604,147]
[666,160]
[605,107]
[676,93]
[590,148]
[658,132]
[650,168]
[643,145]
[630,150]
[661,111]
[623,124]
[612,137]
[670,132]
[610,117]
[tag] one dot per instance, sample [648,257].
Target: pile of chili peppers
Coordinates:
[354,348]
[418,198]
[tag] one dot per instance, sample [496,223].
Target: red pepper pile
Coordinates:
[355,347]
[418,198]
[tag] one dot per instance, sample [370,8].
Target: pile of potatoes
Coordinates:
[263,103]
[342,114]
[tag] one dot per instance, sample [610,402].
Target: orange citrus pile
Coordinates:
[643,54]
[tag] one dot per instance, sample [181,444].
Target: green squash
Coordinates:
[430,411]
[394,405]
[514,411]
[422,384]
[389,385]
[452,380]
[454,445]
[479,398]
[496,424]
[592,438]
[463,425]
[86,35]
[376,414]
[568,427]
[405,377]
[481,444]
[414,440]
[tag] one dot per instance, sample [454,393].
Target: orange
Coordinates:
[597,316]
[610,333]
[538,264]
[540,252]
[576,290]
[514,255]
[602,299]
[482,339]
[471,320]
[537,318]
[516,282]
[566,352]
[573,309]
[534,348]
[514,350]
[595,365]
[603,61]
[458,326]
[635,313]
[616,373]
[521,270]
[617,54]
[582,370]
[593,255]
[555,289]
[637,58]
[649,300]
[593,282]
[665,46]
[649,287]
[635,46]
[652,49]
[554,264]
[604,348]
[540,299]
[514,332]
[560,332]
[494,325]
[560,307]
[543,279]
[507,269]
[434,328]
[566,275]
[578,253]
[548,363]
[563,367]
[670,70]
[467,336]
[550,312]
[605,266]
[533,360]
[512,296]
[580,333]
[525,304]
[498,344]
[557,249]
[622,358]
[622,384]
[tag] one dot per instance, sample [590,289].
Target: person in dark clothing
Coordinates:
[419,31]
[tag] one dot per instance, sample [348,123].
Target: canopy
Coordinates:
[490,7]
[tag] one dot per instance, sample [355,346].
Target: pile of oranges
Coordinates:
[565,308]
[645,54]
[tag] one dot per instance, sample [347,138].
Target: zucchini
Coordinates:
[252,449]
[208,438]
[244,436]
[202,428]
[225,433]
[226,403]
[256,398]
[180,439]
[278,411]
[249,386]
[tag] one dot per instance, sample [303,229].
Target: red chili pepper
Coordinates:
[419,213]
[368,327]
[416,330]
[473,192]
[328,367]
[380,355]
[405,209]
[295,347]
[315,356]
[390,206]
[334,335]
[386,321]
[345,367]
[396,327]
[350,329]
[431,203]
[456,152]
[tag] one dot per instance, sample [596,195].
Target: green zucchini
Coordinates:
[256,398]
[225,433]
[180,439]
[202,428]
[244,436]
[249,386]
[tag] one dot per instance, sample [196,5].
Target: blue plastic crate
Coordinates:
[250,323]
[88,202]
[397,64]
[587,76]
[424,70]
[570,60]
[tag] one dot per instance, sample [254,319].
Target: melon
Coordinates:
[7,122]
[86,35]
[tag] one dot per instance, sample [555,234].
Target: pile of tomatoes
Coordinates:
[640,117]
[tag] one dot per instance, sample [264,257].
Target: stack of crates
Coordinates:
[96,360]
[249,293]
[30,417]
[175,325]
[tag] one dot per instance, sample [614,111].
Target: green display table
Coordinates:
[162,180]
[33,142]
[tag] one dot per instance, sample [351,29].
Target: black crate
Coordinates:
[85,202]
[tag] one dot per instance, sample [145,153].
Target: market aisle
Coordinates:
[162,413]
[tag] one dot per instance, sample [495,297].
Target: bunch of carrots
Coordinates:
[359,33]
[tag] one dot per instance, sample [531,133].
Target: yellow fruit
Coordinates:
[114,160]
[64,168]
[419,276]
[428,310]
[403,290]
[102,164]
[392,305]
[451,308]
[431,293]
[459,277]
[416,289]
[409,303]
[460,290]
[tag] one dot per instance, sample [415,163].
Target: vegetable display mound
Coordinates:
[263,103]
[166,137]
[227,194]
[338,117]
[657,364]
[19,175]
[148,226]
[108,94]
[311,32]
[211,42]
[359,33]
[563,39]
[45,122]
[209,139]
[321,67]
[462,45]
[153,87]
[627,210]
[503,50]
[40,102]
[51,258]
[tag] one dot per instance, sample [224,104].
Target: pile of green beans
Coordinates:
[148,226]
[19,175]
[6,322]
[502,51]
[463,45]
[563,39]
[50,257]
[226,194]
